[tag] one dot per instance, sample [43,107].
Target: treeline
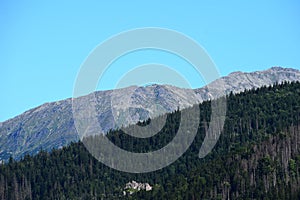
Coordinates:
[256,157]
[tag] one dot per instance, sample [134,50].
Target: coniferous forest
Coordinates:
[256,157]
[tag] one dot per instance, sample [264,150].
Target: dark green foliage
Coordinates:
[256,157]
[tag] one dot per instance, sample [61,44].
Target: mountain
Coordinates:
[239,81]
[256,157]
[51,125]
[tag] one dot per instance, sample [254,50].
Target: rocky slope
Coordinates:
[51,125]
[239,81]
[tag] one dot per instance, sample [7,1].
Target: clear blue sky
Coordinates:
[43,44]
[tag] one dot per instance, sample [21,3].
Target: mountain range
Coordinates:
[51,125]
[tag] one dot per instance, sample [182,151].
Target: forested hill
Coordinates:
[256,157]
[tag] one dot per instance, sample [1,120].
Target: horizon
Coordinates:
[43,45]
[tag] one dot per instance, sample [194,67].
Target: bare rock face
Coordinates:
[237,82]
[51,125]
[133,186]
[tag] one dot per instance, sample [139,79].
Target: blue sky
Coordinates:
[43,44]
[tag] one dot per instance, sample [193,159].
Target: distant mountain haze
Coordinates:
[51,125]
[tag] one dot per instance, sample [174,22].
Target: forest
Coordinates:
[256,157]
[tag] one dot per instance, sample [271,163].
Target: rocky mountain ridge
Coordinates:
[51,125]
